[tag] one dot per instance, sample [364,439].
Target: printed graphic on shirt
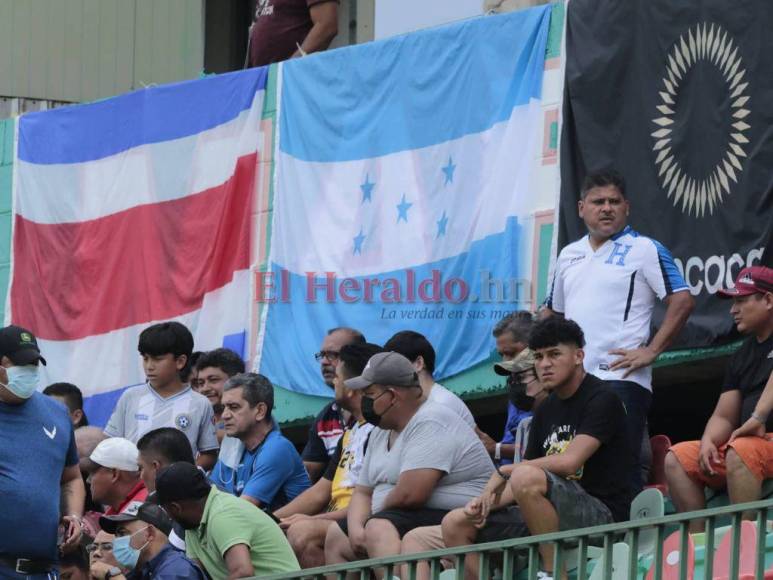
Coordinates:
[558,441]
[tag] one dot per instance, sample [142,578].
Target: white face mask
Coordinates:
[22,381]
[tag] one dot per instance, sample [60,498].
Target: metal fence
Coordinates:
[658,548]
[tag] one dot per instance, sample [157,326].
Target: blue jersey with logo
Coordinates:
[36,444]
[272,473]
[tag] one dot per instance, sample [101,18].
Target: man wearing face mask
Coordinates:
[141,546]
[421,462]
[39,463]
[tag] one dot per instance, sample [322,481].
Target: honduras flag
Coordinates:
[402,169]
[131,211]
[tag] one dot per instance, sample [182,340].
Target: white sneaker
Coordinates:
[544,575]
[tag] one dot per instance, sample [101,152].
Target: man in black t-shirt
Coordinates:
[329,424]
[577,466]
[742,459]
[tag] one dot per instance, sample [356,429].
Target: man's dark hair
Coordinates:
[72,396]
[518,324]
[603,179]
[355,336]
[166,338]
[554,331]
[222,358]
[190,364]
[167,443]
[356,356]
[412,345]
[255,389]
[76,557]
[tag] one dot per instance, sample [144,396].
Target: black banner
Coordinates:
[678,97]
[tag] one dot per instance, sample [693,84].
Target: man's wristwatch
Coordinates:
[757,417]
[504,476]
[497,452]
[113,572]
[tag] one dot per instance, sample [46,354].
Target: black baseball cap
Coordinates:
[147,512]
[19,345]
[180,481]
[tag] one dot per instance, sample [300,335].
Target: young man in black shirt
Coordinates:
[577,466]
[739,460]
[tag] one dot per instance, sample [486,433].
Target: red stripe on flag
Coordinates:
[151,262]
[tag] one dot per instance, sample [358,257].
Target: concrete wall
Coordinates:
[67,50]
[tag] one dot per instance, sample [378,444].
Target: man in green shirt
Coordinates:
[231,538]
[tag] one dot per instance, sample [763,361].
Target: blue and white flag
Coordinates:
[402,175]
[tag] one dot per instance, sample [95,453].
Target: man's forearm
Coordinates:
[310,502]
[207,460]
[319,38]
[73,497]
[359,508]
[678,309]
[718,430]
[560,464]
[765,405]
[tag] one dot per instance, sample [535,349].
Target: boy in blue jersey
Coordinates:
[38,462]
[607,282]
[256,462]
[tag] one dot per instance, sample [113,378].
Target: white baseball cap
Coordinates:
[116,453]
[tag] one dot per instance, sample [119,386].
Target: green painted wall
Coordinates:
[6,187]
[82,50]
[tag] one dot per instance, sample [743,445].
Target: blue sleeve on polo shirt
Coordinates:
[277,475]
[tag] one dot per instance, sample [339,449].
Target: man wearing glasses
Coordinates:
[328,426]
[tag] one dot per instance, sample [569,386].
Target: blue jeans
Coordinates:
[637,401]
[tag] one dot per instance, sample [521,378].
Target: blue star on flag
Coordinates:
[367,189]
[402,210]
[358,239]
[441,225]
[449,171]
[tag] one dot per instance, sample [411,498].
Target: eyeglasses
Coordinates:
[103,546]
[330,355]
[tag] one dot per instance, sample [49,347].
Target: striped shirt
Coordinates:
[141,409]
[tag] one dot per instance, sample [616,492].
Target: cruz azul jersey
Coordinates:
[610,293]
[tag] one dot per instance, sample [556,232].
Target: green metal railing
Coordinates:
[581,551]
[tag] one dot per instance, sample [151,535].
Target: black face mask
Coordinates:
[517,395]
[366,406]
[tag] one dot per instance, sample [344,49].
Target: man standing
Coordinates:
[329,424]
[740,460]
[283,29]
[38,462]
[421,462]
[229,537]
[115,481]
[257,462]
[607,282]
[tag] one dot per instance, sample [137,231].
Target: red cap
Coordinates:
[753,280]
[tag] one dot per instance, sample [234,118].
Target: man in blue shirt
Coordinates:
[141,545]
[38,463]
[256,462]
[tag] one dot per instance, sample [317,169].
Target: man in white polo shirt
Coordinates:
[607,282]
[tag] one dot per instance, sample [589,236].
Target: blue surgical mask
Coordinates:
[124,554]
[22,381]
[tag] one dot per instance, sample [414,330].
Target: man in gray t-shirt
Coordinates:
[422,460]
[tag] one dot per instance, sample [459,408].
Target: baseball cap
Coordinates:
[147,512]
[180,481]
[385,368]
[522,362]
[751,280]
[19,345]
[116,453]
